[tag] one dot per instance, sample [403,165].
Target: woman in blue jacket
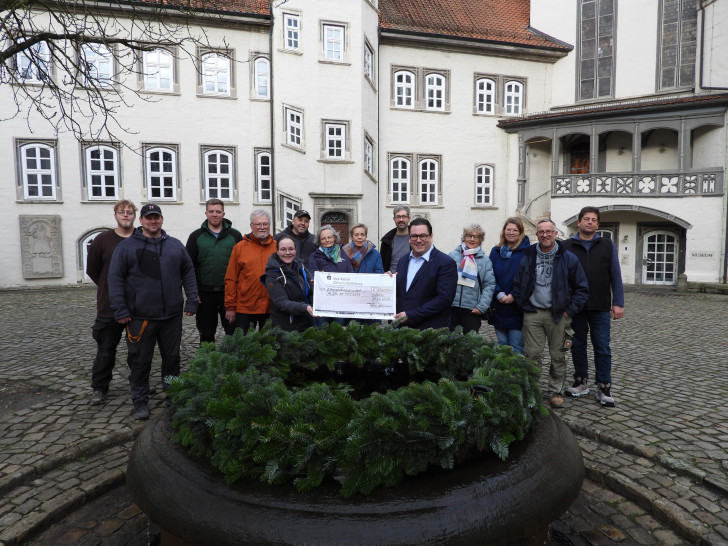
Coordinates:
[363,254]
[475,286]
[507,317]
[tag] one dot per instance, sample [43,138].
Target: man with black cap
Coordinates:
[145,278]
[303,239]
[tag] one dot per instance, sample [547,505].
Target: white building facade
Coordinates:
[349,109]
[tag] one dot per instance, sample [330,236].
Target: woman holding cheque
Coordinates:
[289,286]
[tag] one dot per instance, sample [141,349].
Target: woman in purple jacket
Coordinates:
[329,257]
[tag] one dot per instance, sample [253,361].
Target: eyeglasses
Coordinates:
[261,224]
[400,217]
[545,232]
[125,212]
[420,237]
[472,236]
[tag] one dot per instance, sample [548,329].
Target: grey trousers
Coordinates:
[539,328]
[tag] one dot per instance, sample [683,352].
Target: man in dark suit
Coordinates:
[426,281]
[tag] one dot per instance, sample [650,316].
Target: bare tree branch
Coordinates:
[51,52]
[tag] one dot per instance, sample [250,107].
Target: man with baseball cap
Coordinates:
[145,278]
[302,238]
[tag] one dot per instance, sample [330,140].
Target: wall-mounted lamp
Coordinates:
[621,150]
[625,238]
[662,147]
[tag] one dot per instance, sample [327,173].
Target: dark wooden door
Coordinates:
[579,161]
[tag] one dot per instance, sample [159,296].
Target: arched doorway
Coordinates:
[660,257]
[340,222]
[82,249]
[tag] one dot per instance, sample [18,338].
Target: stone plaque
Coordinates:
[40,246]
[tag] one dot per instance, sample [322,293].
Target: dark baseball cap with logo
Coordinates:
[301,213]
[150,209]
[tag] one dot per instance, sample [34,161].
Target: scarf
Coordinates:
[468,269]
[505,252]
[333,253]
[355,256]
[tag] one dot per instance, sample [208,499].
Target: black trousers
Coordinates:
[107,334]
[212,305]
[247,321]
[465,318]
[167,334]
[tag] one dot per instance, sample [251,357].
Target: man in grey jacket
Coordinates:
[145,278]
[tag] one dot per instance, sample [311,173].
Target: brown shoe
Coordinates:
[557,401]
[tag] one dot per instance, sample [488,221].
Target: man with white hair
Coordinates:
[246,298]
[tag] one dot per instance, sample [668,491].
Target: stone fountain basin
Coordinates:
[492,502]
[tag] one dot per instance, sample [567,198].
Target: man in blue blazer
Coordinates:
[426,281]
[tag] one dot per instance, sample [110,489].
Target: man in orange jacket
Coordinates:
[246,299]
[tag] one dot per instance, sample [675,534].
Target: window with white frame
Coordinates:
[263,179]
[291,31]
[429,181]
[33,64]
[333,42]
[335,143]
[97,65]
[161,173]
[484,185]
[368,155]
[485,96]
[434,92]
[513,98]
[261,78]
[294,127]
[400,178]
[219,171]
[368,62]
[421,89]
[499,95]
[158,70]
[101,163]
[289,206]
[38,174]
[215,74]
[404,89]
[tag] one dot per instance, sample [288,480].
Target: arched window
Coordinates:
[158,70]
[218,165]
[514,98]
[484,185]
[435,92]
[485,96]
[400,179]
[404,89]
[102,172]
[262,78]
[215,74]
[38,171]
[161,174]
[429,172]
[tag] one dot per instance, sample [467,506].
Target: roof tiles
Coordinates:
[490,20]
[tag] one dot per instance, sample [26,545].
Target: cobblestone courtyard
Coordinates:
[657,463]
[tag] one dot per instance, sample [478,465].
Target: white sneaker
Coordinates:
[579,388]
[603,395]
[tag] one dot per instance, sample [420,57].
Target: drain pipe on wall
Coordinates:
[271,88]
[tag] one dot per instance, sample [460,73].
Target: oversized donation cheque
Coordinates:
[354,295]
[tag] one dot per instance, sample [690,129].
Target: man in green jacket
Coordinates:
[210,247]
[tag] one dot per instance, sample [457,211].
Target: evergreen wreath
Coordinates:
[250,407]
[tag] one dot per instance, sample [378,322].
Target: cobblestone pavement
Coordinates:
[656,464]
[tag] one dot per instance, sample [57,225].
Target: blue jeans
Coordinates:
[599,322]
[514,338]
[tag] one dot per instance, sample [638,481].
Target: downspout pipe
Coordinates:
[271,89]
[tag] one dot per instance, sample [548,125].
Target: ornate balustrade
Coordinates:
[639,184]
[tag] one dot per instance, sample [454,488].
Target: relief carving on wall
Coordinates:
[40,246]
